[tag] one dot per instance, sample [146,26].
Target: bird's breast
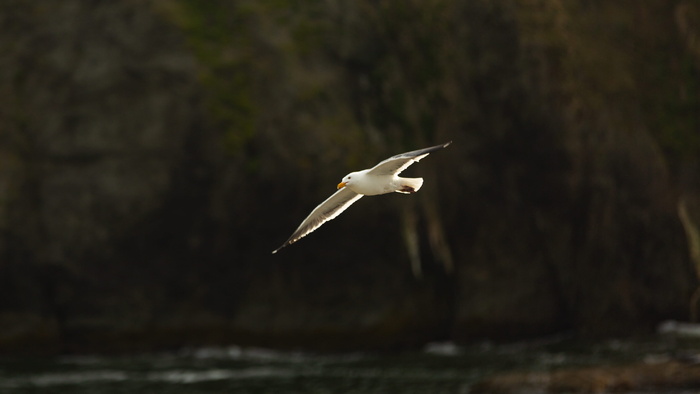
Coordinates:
[371,185]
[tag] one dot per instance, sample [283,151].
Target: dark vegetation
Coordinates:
[153,154]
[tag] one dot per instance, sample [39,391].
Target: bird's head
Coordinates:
[347,180]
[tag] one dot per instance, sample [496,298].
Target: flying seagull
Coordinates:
[380,179]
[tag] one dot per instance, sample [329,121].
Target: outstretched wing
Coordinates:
[395,164]
[327,210]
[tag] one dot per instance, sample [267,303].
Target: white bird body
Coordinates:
[380,179]
[365,183]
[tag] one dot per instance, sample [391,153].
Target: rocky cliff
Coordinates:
[153,154]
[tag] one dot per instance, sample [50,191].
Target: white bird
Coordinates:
[380,179]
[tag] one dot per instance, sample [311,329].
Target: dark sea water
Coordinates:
[438,368]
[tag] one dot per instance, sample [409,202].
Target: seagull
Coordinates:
[380,179]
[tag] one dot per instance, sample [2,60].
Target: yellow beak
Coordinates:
[341,184]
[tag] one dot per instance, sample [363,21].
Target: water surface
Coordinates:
[438,368]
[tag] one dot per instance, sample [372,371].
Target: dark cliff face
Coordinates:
[152,155]
[102,102]
[101,119]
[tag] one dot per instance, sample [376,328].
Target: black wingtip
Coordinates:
[286,243]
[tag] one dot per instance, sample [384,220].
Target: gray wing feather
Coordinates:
[327,210]
[396,164]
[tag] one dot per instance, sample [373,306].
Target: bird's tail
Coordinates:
[410,185]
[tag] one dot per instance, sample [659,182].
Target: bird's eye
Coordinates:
[349,177]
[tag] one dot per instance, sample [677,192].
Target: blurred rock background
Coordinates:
[153,154]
